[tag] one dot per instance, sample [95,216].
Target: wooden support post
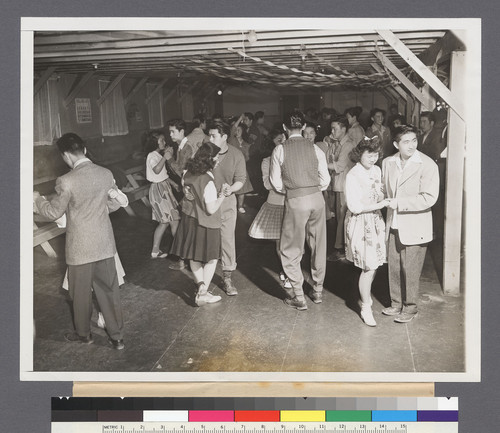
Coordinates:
[110,88]
[136,88]
[156,90]
[422,70]
[454,181]
[78,87]
[401,77]
[43,79]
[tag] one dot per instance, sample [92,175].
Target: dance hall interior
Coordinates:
[117,91]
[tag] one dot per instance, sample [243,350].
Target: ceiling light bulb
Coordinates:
[252,36]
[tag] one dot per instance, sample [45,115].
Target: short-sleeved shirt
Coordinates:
[152,161]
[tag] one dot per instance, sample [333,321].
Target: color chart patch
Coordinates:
[262,415]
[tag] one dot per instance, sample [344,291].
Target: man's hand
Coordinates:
[188,194]
[226,190]
[392,203]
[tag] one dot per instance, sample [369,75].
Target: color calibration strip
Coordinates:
[227,410]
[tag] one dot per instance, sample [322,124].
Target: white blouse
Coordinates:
[363,187]
[152,161]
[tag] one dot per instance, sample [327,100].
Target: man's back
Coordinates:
[83,196]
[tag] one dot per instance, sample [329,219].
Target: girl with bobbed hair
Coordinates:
[364,225]
[161,196]
[198,236]
[355,131]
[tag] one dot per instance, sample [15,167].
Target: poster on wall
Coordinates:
[83,110]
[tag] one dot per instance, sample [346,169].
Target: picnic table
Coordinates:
[134,171]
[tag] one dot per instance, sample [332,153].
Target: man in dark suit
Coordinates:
[430,141]
[83,195]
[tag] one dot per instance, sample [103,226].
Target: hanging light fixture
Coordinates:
[252,37]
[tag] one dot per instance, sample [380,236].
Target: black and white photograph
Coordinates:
[240,199]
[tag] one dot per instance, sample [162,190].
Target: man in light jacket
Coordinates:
[84,195]
[411,183]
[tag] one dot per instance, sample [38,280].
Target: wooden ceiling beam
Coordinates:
[328,42]
[434,82]
[209,43]
[396,87]
[110,88]
[402,78]
[203,37]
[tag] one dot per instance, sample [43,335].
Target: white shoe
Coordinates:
[159,255]
[206,298]
[367,316]
[242,210]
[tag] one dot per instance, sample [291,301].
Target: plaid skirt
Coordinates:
[163,202]
[267,223]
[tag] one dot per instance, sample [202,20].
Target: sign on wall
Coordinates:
[83,110]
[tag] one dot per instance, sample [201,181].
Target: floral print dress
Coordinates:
[364,231]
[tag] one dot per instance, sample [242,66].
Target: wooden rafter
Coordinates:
[136,88]
[401,77]
[43,79]
[110,88]
[424,72]
[78,87]
[397,88]
[156,90]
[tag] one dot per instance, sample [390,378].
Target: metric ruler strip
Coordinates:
[308,427]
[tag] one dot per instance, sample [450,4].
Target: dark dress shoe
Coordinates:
[295,303]
[317,297]
[116,344]
[74,337]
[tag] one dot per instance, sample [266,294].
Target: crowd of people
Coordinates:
[372,188]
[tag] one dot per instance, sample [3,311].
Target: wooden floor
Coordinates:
[254,331]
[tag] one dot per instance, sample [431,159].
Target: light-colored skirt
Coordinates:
[365,240]
[268,222]
[163,202]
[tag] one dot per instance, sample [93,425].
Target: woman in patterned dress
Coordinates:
[364,226]
[163,202]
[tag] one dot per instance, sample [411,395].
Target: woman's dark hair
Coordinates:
[258,115]
[354,111]
[372,145]
[202,160]
[244,128]
[375,111]
[269,145]
[312,125]
[71,143]
[399,117]
[402,130]
[150,140]
[294,119]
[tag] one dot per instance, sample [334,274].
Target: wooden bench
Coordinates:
[42,235]
[129,168]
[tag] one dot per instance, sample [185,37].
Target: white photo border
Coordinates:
[471,28]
